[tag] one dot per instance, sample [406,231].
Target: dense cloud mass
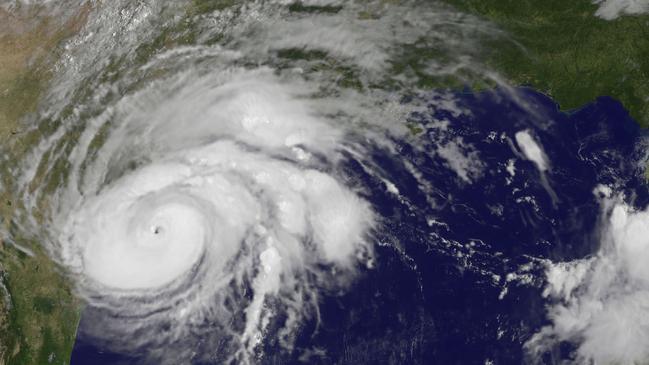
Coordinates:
[601,303]
[229,194]
[204,180]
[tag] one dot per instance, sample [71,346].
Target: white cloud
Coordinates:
[532,150]
[601,304]
[462,159]
[611,9]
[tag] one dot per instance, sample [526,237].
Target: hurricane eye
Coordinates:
[156,229]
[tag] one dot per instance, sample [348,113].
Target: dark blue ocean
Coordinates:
[439,292]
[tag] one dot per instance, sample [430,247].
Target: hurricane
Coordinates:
[230,193]
[323,181]
[201,192]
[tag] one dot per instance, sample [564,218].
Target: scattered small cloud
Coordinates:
[612,9]
[462,159]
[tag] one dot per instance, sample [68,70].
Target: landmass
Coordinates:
[564,50]
[38,311]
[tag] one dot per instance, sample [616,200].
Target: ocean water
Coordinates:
[471,211]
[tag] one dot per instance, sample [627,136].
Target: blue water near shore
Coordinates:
[438,293]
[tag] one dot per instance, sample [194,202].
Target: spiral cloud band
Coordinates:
[154,224]
[240,184]
[198,193]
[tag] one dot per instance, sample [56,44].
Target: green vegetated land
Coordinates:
[562,49]
[38,312]
[39,326]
